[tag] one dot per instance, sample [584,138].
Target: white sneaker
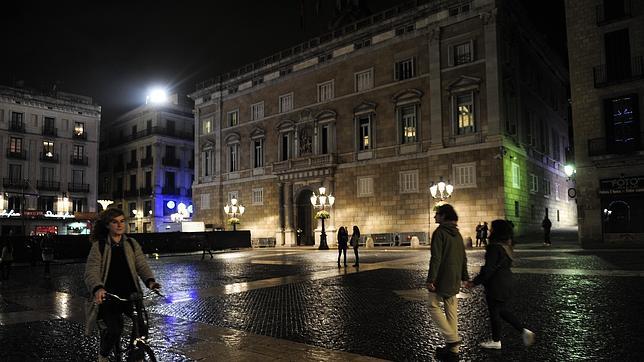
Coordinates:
[528,337]
[491,344]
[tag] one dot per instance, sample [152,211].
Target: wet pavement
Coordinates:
[295,304]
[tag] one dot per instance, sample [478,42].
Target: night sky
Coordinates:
[114,52]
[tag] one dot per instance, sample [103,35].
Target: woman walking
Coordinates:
[343,239]
[496,277]
[355,242]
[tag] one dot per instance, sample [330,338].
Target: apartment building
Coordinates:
[49,161]
[378,111]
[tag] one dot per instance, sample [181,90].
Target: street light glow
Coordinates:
[157,96]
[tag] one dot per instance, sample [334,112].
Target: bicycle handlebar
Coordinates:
[133,297]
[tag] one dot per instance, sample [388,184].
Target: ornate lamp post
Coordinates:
[321,202]
[441,190]
[105,203]
[234,212]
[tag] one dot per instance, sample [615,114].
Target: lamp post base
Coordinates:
[323,244]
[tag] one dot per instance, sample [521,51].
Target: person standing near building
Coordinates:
[47,248]
[479,226]
[114,264]
[496,277]
[546,224]
[343,239]
[447,269]
[484,230]
[7,259]
[355,242]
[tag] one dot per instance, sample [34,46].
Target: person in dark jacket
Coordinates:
[546,224]
[115,264]
[479,226]
[484,230]
[355,242]
[343,239]
[447,269]
[496,277]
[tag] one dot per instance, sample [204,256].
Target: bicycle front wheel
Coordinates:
[142,352]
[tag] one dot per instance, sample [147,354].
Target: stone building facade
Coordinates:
[146,164]
[605,47]
[379,110]
[49,161]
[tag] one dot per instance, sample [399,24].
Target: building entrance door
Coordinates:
[304,218]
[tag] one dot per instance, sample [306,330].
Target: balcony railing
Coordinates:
[17,126]
[50,131]
[132,165]
[145,191]
[601,146]
[301,163]
[172,162]
[17,154]
[79,135]
[170,191]
[48,185]
[49,157]
[613,12]
[152,131]
[131,193]
[14,183]
[630,69]
[147,161]
[74,187]
[78,160]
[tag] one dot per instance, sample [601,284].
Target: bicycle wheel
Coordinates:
[142,352]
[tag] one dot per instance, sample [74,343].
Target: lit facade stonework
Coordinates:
[49,143]
[146,164]
[605,48]
[377,114]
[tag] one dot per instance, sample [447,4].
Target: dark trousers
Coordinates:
[546,236]
[355,252]
[110,323]
[5,269]
[498,311]
[340,251]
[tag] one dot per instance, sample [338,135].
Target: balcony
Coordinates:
[170,191]
[304,163]
[629,69]
[617,10]
[132,165]
[17,154]
[79,135]
[14,183]
[50,131]
[171,161]
[146,191]
[74,187]
[49,157]
[147,161]
[152,131]
[131,193]
[80,160]
[16,126]
[601,146]
[48,185]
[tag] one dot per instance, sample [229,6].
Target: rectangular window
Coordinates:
[285,146]
[622,124]
[78,205]
[464,113]
[148,179]
[286,103]
[258,154]
[15,145]
[558,218]
[205,201]
[133,155]
[133,182]
[546,187]
[233,157]
[404,69]
[324,140]
[556,146]
[556,191]
[325,91]
[207,126]
[465,174]
[233,118]
[407,117]
[169,152]
[365,186]
[534,183]
[15,172]
[78,177]
[78,152]
[516,208]
[258,196]
[516,176]
[257,111]
[364,80]
[148,151]
[46,203]
[147,208]
[462,53]
[207,162]
[170,126]
[47,174]
[408,181]
[364,133]
[48,149]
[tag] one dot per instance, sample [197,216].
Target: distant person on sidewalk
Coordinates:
[7,259]
[343,239]
[546,224]
[355,242]
[47,248]
[484,230]
[479,226]
[496,277]
[447,269]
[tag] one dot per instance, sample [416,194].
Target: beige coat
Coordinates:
[97,268]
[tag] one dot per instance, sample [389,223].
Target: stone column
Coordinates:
[279,233]
[436,98]
[289,230]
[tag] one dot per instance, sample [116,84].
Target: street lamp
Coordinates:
[441,190]
[105,203]
[320,202]
[570,171]
[234,212]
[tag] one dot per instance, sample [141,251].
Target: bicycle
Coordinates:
[137,348]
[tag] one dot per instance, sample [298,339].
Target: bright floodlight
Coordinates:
[157,95]
[569,170]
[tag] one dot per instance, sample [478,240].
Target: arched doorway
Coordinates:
[304,218]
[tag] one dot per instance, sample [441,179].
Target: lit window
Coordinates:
[516,176]
[364,133]
[207,126]
[464,113]
[407,117]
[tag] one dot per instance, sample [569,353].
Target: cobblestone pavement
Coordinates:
[295,304]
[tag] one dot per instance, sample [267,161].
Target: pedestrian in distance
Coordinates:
[47,248]
[343,239]
[484,230]
[7,259]
[479,226]
[546,224]
[355,242]
[115,264]
[447,269]
[496,277]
